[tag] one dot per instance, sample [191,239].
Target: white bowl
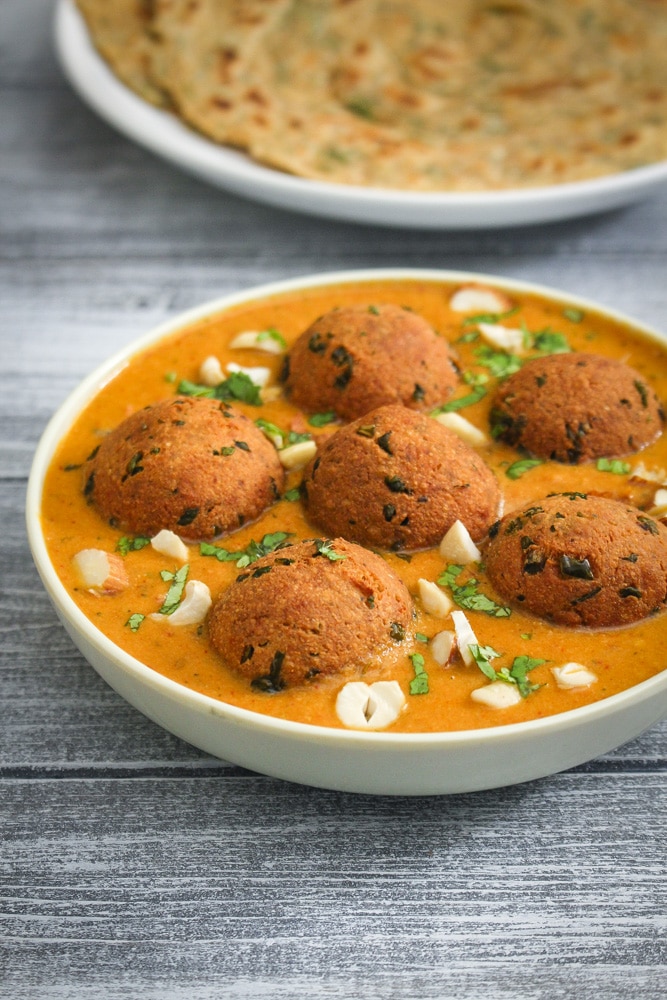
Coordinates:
[166,136]
[382,763]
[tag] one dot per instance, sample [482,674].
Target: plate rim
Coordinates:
[163,134]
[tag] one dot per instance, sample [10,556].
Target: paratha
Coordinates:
[407,94]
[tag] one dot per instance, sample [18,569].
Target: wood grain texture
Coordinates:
[133,865]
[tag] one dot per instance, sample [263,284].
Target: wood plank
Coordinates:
[261,884]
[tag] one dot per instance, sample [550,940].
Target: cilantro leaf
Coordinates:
[499,363]
[176,588]
[614,465]
[250,554]
[517,674]
[127,544]
[517,469]
[322,419]
[237,386]
[482,655]
[549,341]
[325,548]
[479,392]
[493,318]
[419,684]
[468,596]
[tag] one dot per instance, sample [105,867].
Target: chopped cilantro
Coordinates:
[127,544]
[499,363]
[614,465]
[322,419]
[176,587]
[517,469]
[274,433]
[134,621]
[549,341]
[237,386]
[492,318]
[517,674]
[419,684]
[292,495]
[574,315]
[252,552]
[468,596]
[475,378]
[482,655]
[325,548]
[479,392]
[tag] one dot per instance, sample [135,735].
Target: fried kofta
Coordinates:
[356,358]
[309,610]
[398,479]
[193,465]
[575,408]
[575,559]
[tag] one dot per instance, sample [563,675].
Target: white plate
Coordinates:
[166,136]
[383,763]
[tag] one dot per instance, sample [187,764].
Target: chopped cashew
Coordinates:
[261,339]
[659,509]
[167,543]
[505,338]
[192,609]
[465,637]
[573,675]
[210,371]
[434,600]
[102,572]
[296,455]
[270,393]
[374,706]
[442,646]
[466,431]
[258,375]
[479,299]
[641,471]
[458,547]
[497,694]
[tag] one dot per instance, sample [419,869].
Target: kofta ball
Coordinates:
[575,559]
[193,465]
[576,407]
[398,479]
[356,358]
[307,611]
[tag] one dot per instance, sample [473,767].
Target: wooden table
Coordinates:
[132,864]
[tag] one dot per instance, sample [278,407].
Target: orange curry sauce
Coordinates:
[619,658]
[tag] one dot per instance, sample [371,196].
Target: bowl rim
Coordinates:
[69,611]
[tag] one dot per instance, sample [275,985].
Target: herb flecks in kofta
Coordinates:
[398,479]
[575,408]
[575,559]
[356,358]
[194,466]
[310,610]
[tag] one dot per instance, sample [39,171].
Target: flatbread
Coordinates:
[412,94]
[121,30]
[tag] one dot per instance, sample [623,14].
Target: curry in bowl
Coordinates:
[413,505]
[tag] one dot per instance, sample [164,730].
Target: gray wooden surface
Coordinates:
[131,864]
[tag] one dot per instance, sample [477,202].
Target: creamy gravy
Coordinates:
[619,658]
